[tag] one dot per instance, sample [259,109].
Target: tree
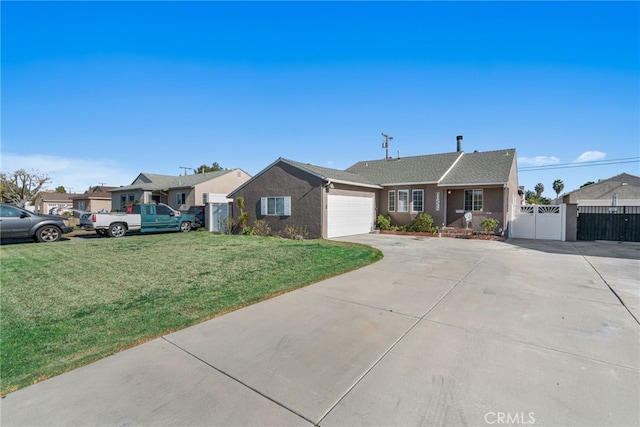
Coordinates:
[539,189]
[534,199]
[213,168]
[558,186]
[61,189]
[21,187]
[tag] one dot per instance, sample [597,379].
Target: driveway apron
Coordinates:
[439,332]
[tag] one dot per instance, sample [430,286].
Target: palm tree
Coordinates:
[539,189]
[558,186]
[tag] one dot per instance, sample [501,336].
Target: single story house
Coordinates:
[95,199]
[179,192]
[54,203]
[331,202]
[625,188]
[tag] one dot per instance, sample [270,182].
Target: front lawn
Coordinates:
[69,303]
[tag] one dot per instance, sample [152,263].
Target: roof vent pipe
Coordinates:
[459,139]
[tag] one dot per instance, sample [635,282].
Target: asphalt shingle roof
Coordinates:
[151,182]
[488,167]
[406,170]
[333,174]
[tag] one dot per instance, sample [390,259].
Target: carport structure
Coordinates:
[439,332]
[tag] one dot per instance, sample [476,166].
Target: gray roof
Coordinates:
[488,167]
[155,182]
[336,175]
[625,185]
[406,170]
[446,169]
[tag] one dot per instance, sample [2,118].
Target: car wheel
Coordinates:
[117,230]
[185,227]
[48,233]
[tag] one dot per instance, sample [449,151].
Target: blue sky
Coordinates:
[96,92]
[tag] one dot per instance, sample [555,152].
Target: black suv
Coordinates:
[18,223]
[198,212]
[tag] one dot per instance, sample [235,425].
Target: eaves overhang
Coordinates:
[396,184]
[358,184]
[473,184]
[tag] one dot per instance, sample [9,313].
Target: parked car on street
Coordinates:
[19,223]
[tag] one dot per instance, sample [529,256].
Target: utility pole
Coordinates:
[185,169]
[385,144]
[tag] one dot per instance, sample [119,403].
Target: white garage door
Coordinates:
[348,215]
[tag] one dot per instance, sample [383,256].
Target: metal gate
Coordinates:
[618,223]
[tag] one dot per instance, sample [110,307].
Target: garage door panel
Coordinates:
[349,215]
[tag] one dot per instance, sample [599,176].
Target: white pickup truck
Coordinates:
[143,218]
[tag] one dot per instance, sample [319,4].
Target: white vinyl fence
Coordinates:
[539,222]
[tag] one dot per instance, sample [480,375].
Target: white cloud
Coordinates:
[75,174]
[538,160]
[590,156]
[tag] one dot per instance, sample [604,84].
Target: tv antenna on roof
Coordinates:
[185,169]
[385,144]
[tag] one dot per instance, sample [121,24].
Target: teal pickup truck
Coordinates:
[143,218]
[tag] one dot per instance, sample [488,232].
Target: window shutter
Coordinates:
[287,205]
[263,206]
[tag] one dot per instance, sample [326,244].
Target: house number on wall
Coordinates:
[438,201]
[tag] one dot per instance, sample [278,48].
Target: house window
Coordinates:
[123,201]
[403,200]
[392,201]
[181,198]
[473,200]
[280,206]
[417,200]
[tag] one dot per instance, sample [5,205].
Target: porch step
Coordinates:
[458,233]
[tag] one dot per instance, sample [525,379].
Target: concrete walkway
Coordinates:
[440,332]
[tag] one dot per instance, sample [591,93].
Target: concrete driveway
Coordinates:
[440,332]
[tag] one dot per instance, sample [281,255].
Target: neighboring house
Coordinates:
[332,203]
[179,192]
[54,203]
[625,188]
[95,199]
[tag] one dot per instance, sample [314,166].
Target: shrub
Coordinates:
[422,223]
[384,222]
[489,224]
[261,228]
[243,221]
[230,224]
[295,232]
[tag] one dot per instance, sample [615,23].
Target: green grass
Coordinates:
[70,303]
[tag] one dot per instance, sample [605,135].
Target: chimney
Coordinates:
[459,139]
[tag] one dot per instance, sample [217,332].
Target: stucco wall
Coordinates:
[432,204]
[282,179]
[492,207]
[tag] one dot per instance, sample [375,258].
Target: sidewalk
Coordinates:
[440,332]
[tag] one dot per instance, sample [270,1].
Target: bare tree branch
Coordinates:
[21,187]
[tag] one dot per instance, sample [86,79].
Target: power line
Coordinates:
[581,165]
